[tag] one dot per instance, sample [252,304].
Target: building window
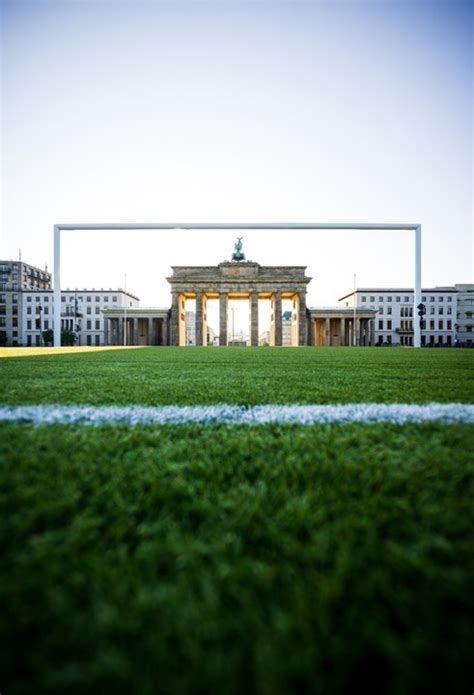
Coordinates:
[440,298]
[46,325]
[440,325]
[389,299]
[46,299]
[449,310]
[397,299]
[440,340]
[97,310]
[97,324]
[380,299]
[88,340]
[89,324]
[389,339]
[106,299]
[381,325]
[423,325]
[37,299]
[389,310]
[449,325]
[407,299]
[114,299]
[380,309]
[389,325]
[63,299]
[363,299]
[97,299]
[432,299]
[28,325]
[431,325]
[97,340]
[468,329]
[449,299]
[448,339]
[432,310]
[89,310]
[88,299]
[440,311]
[28,299]
[46,309]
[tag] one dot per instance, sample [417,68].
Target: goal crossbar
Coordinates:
[200,226]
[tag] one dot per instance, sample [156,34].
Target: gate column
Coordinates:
[278,319]
[223,318]
[174,321]
[198,325]
[302,320]
[254,319]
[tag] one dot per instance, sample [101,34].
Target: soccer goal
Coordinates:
[290,226]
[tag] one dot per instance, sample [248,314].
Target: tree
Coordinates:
[48,337]
[68,337]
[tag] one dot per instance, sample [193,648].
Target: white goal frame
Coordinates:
[291,226]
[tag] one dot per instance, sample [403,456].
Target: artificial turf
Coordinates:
[241,375]
[269,560]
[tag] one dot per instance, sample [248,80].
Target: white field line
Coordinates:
[398,413]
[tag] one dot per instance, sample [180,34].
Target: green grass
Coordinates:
[237,375]
[231,559]
[266,560]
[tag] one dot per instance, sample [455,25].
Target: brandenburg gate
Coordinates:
[238,279]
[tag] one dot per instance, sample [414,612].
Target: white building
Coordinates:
[81,313]
[394,320]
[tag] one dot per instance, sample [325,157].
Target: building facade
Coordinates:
[15,278]
[447,322]
[82,313]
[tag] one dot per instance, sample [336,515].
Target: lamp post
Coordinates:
[354,338]
[125,312]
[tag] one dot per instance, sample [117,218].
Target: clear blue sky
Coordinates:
[238,111]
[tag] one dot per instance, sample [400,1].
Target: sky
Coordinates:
[336,111]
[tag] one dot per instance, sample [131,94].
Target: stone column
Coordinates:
[150,332]
[198,320]
[302,320]
[254,319]
[328,332]
[106,331]
[136,338]
[174,320]
[120,330]
[223,318]
[278,319]
[311,333]
[165,331]
[342,340]
[372,331]
[357,332]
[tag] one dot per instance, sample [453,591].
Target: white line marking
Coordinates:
[398,413]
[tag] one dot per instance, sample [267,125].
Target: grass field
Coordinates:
[267,559]
[241,375]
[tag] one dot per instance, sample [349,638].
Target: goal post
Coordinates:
[200,226]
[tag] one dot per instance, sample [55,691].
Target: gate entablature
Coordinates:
[242,278]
